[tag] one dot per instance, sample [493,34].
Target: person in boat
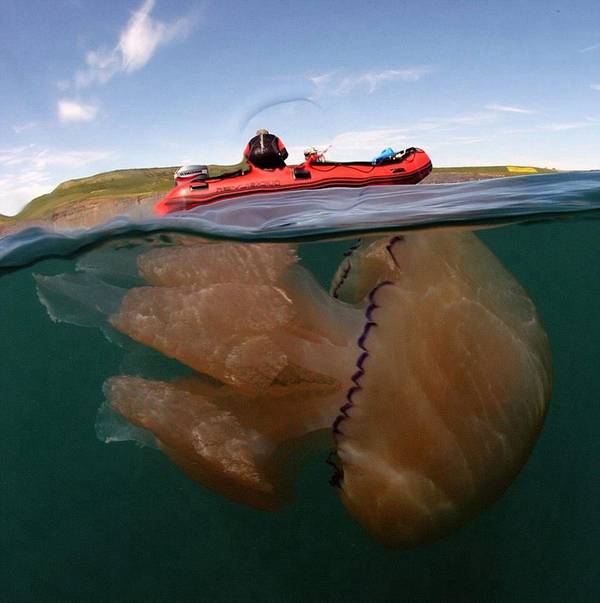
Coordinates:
[313,155]
[266,151]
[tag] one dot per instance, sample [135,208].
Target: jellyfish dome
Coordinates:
[450,387]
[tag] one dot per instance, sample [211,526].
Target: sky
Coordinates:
[88,86]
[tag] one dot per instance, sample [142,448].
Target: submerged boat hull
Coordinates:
[193,192]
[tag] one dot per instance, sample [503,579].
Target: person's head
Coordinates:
[261,131]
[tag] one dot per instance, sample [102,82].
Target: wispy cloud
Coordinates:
[70,110]
[359,140]
[453,122]
[373,79]
[40,158]
[590,48]
[28,171]
[560,127]
[321,79]
[334,83]
[16,190]
[432,133]
[138,41]
[20,128]
[595,86]
[571,125]
[455,141]
[12,156]
[358,143]
[509,109]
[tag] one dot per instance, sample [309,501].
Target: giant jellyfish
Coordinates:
[424,369]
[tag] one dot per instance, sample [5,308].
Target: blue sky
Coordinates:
[88,86]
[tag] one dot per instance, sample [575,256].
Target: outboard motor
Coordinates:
[191,172]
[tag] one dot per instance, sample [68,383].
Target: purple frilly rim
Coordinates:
[347,255]
[356,387]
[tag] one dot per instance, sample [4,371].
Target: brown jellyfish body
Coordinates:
[427,359]
[449,391]
[246,315]
[273,354]
[237,446]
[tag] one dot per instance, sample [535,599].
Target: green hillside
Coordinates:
[499,170]
[119,183]
[460,174]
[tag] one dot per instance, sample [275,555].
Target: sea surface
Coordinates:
[82,520]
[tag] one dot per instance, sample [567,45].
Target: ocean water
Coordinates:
[83,520]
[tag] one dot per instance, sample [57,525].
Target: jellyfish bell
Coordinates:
[449,392]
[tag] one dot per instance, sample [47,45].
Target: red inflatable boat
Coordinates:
[194,187]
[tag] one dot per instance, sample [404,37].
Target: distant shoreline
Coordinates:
[87,201]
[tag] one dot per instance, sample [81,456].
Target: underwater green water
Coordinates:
[84,521]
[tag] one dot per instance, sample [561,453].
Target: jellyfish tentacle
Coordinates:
[208,443]
[237,446]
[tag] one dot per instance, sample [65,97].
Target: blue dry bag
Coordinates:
[385,154]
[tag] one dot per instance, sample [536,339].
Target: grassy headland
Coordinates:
[442,175]
[116,184]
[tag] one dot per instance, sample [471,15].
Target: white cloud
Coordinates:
[590,48]
[320,80]
[465,119]
[29,171]
[20,128]
[364,144]
[372,140]
[16,190]
[431,133]
[355,144]
[70,110]
[477,138]
[101,66]
[138,42]
[509,109]
[40,158]
[143,35]
[595,86]
[572,125]
[12,156]
[336,84]
[372,79]
[454,141]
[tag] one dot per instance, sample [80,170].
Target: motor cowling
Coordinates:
[191,172]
